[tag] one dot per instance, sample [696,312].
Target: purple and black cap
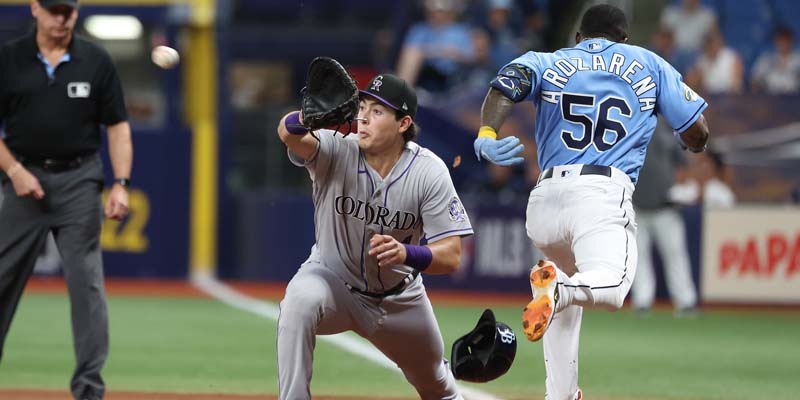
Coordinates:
[394,93]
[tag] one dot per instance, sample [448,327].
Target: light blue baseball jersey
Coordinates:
[597,103]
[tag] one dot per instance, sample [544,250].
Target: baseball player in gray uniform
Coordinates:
[374,199]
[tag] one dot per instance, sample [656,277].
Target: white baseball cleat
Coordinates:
[539,312]
[579,395]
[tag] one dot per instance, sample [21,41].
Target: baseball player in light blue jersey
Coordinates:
[375,196]
[596,112]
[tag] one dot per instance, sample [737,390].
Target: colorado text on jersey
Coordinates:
[372,214]
[569,66]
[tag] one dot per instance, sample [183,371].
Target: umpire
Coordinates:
[56,89]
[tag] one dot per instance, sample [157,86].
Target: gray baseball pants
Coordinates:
[72,210]
[401,326]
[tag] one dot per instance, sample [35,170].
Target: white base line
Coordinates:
[347,341]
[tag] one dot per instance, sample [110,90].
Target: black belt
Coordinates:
[53,164]
[394,290]
[587,169]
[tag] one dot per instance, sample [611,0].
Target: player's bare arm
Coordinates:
[496,108]
[295,136]
[120,149]
[446,253]
[696,137]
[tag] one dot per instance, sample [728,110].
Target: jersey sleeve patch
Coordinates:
[689,95]
[456,210]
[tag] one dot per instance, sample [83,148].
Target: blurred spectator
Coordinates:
[778,71]
[663,44]
[716,193]
[504,44]
[691,21]
[705,183]
[534,27]
[719,68]
[660,223]
[495,43]
[507,184]
[437,52]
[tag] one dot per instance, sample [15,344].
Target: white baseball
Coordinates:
[165,57]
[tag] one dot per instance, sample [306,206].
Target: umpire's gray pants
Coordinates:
[72,210]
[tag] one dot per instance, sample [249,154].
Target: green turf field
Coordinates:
[198,345]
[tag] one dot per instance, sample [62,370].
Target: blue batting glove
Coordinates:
[502,152]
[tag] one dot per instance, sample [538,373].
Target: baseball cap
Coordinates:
[394,92]
[51,3]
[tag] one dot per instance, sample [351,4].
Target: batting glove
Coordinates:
[501,152]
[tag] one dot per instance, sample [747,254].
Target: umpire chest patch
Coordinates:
[79,90]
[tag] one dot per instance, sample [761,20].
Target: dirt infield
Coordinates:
[267,291]
[275,291]
[63,395]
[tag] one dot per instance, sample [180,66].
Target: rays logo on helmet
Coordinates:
[456,210]
[506,335]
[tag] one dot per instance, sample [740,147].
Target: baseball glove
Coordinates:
[330,97]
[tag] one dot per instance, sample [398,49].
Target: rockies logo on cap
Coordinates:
[376,83]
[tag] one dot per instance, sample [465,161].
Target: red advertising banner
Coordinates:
[751,255]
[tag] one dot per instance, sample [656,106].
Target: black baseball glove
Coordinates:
[330,97]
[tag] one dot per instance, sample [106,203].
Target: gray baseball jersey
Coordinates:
[352,203]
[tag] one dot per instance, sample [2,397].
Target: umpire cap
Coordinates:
[51,3]
[486,352]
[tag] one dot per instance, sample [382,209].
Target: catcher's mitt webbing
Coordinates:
[330,97]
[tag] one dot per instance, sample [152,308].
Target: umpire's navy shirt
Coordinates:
[58,116]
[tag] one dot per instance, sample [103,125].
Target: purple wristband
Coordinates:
[293,125]
[418,257]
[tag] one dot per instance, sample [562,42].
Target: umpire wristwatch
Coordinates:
[124,182]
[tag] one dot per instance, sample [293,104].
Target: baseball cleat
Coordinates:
[579,395]
[539,312]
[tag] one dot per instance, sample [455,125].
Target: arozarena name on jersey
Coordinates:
[566,67]
[370,214]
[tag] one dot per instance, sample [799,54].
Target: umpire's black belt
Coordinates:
[587,169]
[394,290]
[53,164]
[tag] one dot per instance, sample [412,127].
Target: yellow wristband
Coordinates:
[487,132]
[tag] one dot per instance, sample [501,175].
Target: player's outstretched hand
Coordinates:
[387,250]
[503,152]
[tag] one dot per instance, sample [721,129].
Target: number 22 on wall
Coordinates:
[128,235]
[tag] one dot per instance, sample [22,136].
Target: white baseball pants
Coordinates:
[585,225]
